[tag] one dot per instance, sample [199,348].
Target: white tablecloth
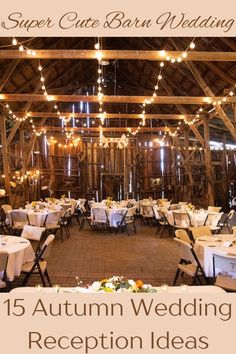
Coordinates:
[36,218]
[197,218]
[170,289]
[206,246]
[112,214]
[20,251]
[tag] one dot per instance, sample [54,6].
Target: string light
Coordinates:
[23,48]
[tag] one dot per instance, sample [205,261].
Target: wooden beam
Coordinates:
[110,129]
[220,73]
[108,115]
[209,92]
[157,55]
[196,100]
[183,111]
[206,89]
[18,123]
[10,137]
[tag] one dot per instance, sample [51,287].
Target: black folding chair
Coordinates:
[39,266]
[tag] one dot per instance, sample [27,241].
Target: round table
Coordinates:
[205,247]
[197,217]
[113,214]
[20,251]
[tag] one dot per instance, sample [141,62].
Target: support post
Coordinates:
[209,171]
[5,159]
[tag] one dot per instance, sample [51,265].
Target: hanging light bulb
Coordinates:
[192,45]
[14,41]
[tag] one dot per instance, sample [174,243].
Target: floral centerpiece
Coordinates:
[109,202]
[190,207]
[34,203]
[52,200]
[120,284]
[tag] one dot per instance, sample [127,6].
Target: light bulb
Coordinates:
[161,64]
[14,41]
[162,53]
[192,45]
[97,46]
[21,48]
[40,68]
[184,55]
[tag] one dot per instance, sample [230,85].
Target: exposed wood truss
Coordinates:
[116,99]
[118,54]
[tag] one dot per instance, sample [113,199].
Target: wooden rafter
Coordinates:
[183,111]
[117,54]
[110,129]
[207,90]
[108,115]
[198,100]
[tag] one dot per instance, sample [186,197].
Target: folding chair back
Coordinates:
[19,218]
[213,209]
[213,219]
[186,251]
[175,207]
[33,233]
[147,210]
[181,219]
[182,235]
[65,207]
[52,219]
[156,212]
[198,231]
[100,216]
[224,264]
[46,247]
[189,262]
[6,208]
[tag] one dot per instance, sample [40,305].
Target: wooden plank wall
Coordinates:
[97,172]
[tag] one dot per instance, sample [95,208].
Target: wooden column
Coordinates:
[209,171]
[5,158]
[224,176]
[125,174]
[24,164]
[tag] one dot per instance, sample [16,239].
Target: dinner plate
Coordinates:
[208,238]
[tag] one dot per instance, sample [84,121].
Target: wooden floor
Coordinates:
[94,256]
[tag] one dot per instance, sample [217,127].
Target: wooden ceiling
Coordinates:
[70,71]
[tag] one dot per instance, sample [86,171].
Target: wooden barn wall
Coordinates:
[143,169]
